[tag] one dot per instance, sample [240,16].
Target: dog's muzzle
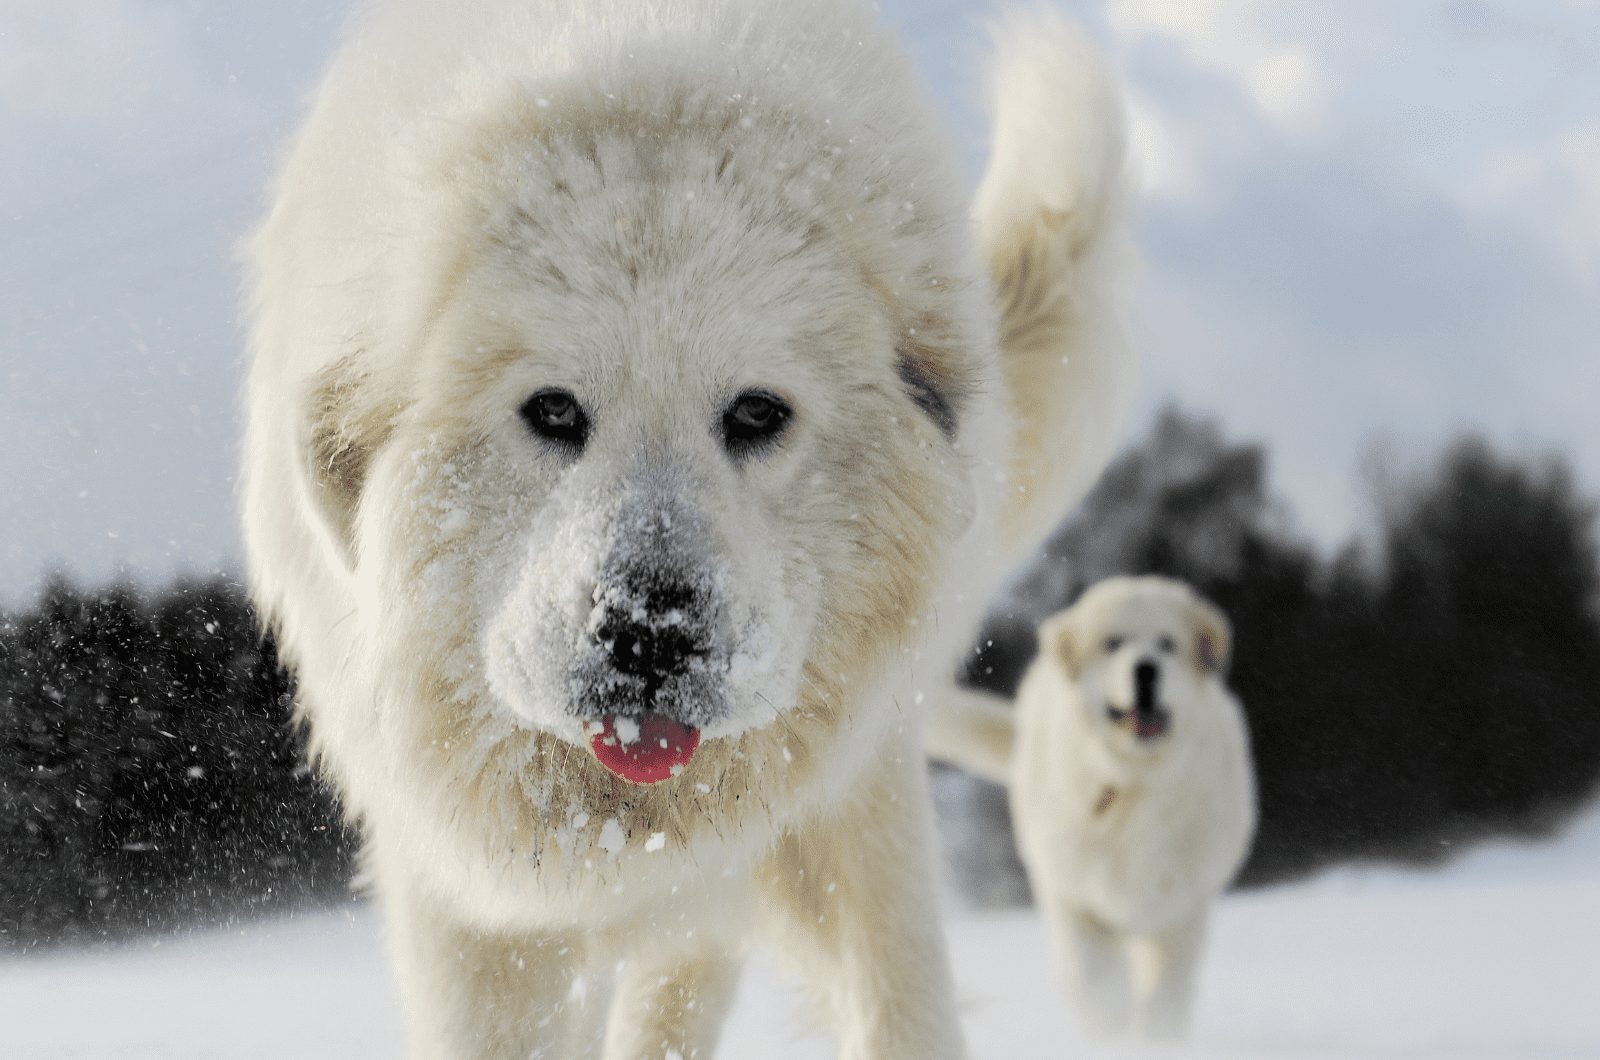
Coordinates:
[653,673]
[652,634]
[1148,719]
[653,670]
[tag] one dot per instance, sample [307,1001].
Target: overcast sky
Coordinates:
[1367,226]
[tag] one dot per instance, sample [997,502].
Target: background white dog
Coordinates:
[629,424]
[1131,788]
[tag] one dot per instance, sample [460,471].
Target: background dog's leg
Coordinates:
[488,996]
[972,730]
[671,1004]
[1168,966]
[1092,961]
[852,900]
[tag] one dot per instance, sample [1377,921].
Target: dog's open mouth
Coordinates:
[644,750]
[1144,724]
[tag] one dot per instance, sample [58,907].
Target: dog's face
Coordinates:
[1140,651]
[668,457]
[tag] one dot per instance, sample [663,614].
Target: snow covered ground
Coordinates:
[1497,956]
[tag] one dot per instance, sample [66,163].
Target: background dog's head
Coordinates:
[1141,653]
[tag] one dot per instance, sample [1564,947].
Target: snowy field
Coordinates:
[1497,956]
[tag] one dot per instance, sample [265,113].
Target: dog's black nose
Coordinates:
[1145,676]
[653,634]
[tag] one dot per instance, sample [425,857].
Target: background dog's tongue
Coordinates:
[1148,726]
[654,748]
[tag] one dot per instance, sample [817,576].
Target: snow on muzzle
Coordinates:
[655,666]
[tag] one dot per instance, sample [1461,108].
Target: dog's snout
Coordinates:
[650,633]
[645,647]
[1146,675]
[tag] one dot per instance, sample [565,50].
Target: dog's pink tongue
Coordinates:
[659,747]
[1146,728]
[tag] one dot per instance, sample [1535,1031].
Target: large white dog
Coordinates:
[636,426]
[1132,792]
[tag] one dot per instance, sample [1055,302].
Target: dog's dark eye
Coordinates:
[556,415]
[753,421]
[1167,645]
[1112,644]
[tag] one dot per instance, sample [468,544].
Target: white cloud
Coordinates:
[1288,85]
[1550,189]
[1168,163]
[1204,24]
[1238,40]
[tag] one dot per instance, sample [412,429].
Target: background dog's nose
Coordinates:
[1145,672]
[1145,675]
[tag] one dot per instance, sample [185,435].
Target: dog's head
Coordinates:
[1140,652]
[679,441]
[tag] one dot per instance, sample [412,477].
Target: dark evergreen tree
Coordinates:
[1493,582]
[148,770]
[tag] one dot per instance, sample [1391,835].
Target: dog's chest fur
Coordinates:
[1139,844]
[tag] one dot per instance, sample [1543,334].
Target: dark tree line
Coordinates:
[148,770]
[1439,685]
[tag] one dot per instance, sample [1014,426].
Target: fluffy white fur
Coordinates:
[657,205]
[1128,840]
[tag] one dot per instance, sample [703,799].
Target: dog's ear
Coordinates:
[343,428]
[1060,640]
[1213,637]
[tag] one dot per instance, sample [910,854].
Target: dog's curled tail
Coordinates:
[1052,229]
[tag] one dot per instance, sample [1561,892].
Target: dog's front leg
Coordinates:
[672,1003]
[1168,965]
[478,995]
[1092,962]
[851,898]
